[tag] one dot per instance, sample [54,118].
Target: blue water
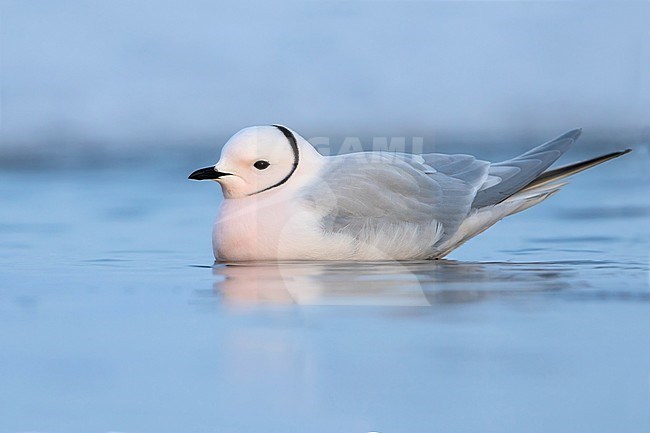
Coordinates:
[114,318]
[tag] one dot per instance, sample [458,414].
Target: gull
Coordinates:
[285,201]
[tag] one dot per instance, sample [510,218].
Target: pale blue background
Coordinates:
[112,317]
[120,74]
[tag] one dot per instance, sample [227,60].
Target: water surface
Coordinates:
[114,317]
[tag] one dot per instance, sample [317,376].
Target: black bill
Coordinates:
[207,173]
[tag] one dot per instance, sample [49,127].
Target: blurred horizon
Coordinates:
[115,78]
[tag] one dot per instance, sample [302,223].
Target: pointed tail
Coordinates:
[571,169]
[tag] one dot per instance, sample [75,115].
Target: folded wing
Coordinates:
[376,192]
[508,177]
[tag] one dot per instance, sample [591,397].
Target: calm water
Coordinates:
[113,317]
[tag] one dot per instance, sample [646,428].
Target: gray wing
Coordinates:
[507,177]
[372,190]
[462,167]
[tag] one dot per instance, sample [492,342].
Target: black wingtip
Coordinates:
[619,153]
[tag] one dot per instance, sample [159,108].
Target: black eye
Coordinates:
[261,165]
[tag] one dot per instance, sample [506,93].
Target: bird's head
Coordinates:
[255,160]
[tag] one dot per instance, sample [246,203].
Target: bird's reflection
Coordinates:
[417,283]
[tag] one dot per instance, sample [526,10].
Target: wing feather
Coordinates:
[507,177]
[372,191]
